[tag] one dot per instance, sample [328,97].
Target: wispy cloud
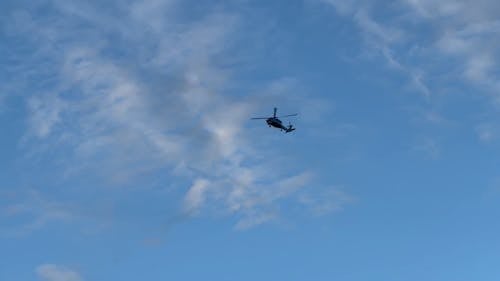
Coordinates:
[52,272]
[331,200]
[429,147]
[142,90]
[447,49]
[384,39]
[488,132]
[414,35]
[30,211]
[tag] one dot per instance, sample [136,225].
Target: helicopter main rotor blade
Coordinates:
[255,118]
[289,115]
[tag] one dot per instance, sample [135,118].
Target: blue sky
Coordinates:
[128,153]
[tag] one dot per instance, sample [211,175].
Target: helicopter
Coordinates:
[276,122]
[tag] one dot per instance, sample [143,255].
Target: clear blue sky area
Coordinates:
[128,151]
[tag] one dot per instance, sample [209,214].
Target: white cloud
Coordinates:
[381,34]
[466,32]
[26,212]
[196,195]
[331,200]
[141,92]
[429,146]
[445,48]
[430,8]
[345,7]
[427,29]
[52,272]
[45,114]
[151,13]
[488,132]
[382,38]
[255,219]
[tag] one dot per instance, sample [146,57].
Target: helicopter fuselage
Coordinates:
[275,122]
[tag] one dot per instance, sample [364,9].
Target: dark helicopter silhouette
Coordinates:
[275,122]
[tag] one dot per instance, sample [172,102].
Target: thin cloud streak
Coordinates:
[31,211]
[382,39]
[52,272]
